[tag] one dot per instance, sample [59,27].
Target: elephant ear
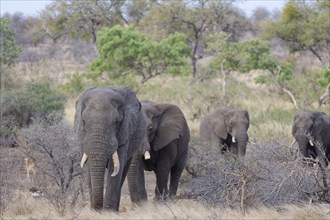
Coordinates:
[171,125]
[294,126]
[246,114]
[78,123]
[219,125]
[318,123]
[130,109]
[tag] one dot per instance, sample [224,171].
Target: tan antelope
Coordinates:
[30,166]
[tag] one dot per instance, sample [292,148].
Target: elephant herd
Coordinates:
[120,136]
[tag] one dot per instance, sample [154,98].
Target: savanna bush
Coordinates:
[53,146]
[270,174]
[21,106]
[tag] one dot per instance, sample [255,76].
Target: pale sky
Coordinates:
[32,7]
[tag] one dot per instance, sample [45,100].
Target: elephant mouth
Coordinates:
[115,161]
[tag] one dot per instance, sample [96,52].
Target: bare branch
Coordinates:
[326,96]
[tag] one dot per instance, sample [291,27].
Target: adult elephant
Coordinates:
[110,127]
[311,129]
[228,128]
[167,138]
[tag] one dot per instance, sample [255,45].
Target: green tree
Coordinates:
[35,101]
[246,55]
[304,26]
[124,53]
[80,18]
[9,49]
[195,19]
[9,52]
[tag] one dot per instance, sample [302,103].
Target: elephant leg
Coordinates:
[176,172]
[166,158]
[162,172]
[113,187]
[162,175]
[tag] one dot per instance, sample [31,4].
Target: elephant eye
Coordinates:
[117,121]
[230,124]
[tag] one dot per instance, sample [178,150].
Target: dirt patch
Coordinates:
[150,180]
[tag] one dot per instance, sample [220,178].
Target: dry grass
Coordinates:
[31,208]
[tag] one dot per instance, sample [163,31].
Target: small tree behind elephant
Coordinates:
[110,127]
[168,136]
[226,127]
[311,129]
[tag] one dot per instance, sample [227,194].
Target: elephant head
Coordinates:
[227,126]
[165,122]
[311,131]
[107,122]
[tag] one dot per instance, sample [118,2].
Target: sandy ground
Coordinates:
[150,180]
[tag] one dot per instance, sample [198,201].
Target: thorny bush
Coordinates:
[270,174]
[57,156]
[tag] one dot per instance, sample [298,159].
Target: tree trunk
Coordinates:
[194,66]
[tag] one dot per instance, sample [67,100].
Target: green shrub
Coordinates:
[324,78]
[20,107]
[77,83]
[260,79]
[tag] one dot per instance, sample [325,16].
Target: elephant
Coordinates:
[228,128]
[167,138]
[110,127]
[311,130]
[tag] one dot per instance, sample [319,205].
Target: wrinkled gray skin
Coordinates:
[108,119]
[168,138]
[313,126]
[222,124]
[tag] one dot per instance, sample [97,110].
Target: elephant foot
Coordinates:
[161,197]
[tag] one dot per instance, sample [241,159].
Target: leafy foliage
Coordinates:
[33,100]
[324,78]
[246,55]
[76,84]
[303,26]
[124,52]
[9,49]
[80,19]
[194,19]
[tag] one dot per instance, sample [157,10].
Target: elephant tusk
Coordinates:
[311,143]
[147,155]
[294,141]
[116,164]
[233,139]
[83,160]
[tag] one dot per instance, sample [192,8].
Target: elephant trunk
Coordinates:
[99,148]
[302,141]
[97,165]
[136,182]
[241,139]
